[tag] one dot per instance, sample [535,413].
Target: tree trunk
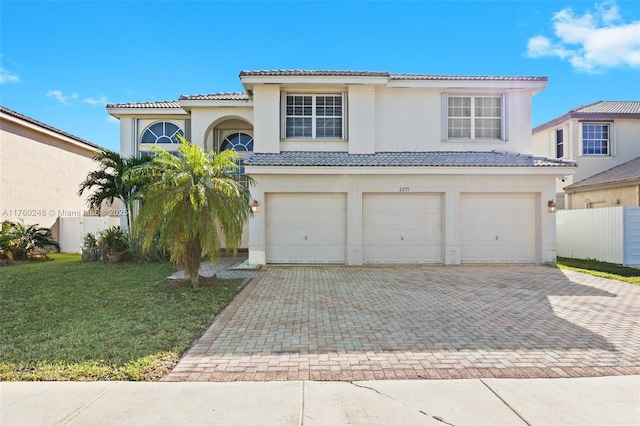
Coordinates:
[192,258]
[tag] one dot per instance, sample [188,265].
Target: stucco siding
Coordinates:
[449,186]
[627,196]
[625,146]
[40,175]
[412,120]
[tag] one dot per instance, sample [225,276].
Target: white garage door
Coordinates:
[402,228]
[306,228]
[498,228]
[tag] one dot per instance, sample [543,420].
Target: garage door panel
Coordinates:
[498,228]
[402,228]
[306,228]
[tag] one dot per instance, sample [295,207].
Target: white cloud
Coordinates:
[60,97]
[102,100]
[591,42]
[7,76]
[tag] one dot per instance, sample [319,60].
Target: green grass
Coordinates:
[611,271]
[71,320]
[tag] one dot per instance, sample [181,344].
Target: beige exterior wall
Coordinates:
[40,172]
[626,196]
[355,183]
[625,147]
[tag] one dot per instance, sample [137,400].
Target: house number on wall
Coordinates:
[404,189]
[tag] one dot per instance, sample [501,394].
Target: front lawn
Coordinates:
[71,320]
[611,271]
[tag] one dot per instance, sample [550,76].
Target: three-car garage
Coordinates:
[400,228]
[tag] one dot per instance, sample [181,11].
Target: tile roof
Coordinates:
[464,77]
[46,126]
[320,73]
[629,171]
[596,110]
[159,104]
[610,107]
[413,159]
[221,96]
[391,76]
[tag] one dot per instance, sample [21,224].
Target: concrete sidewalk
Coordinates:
[575,401]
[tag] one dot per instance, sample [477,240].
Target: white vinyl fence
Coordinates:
[609,234]
[73,230]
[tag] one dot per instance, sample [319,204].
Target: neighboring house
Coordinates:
[371,167]
[597,137]
[618,186]
[41,169]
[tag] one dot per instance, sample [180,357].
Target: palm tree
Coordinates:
[109,182]
[19,241]
[192,202]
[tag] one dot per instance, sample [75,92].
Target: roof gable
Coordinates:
[29,120]
[597,110]
[629,171]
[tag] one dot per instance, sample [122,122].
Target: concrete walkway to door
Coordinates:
[409,322]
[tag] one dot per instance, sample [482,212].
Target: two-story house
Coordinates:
[370,167]
[602,138]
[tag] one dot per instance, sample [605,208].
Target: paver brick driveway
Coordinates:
[403,322]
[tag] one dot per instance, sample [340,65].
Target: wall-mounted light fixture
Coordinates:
[616,201]
[552,206]
[255,208]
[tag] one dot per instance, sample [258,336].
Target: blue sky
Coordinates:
[62,62]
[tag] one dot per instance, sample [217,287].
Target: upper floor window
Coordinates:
[242,143]
[595,139]
[559,143]
[475,117]
[161,132]
[313,116]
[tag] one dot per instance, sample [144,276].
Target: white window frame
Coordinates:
[472,118]
[313,116]
[148,147]
[241,155]
[609,139]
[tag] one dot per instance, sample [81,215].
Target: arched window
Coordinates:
[243,145]
[240,142]
[162,132]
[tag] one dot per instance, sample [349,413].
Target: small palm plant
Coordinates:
[90,247]
[113,241]
[23,242]
[192,202]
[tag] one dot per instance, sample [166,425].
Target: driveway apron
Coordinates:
[410,322]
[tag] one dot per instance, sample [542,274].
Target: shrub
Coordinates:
[90,250]
[23,242]
[155,252]
[113,240]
